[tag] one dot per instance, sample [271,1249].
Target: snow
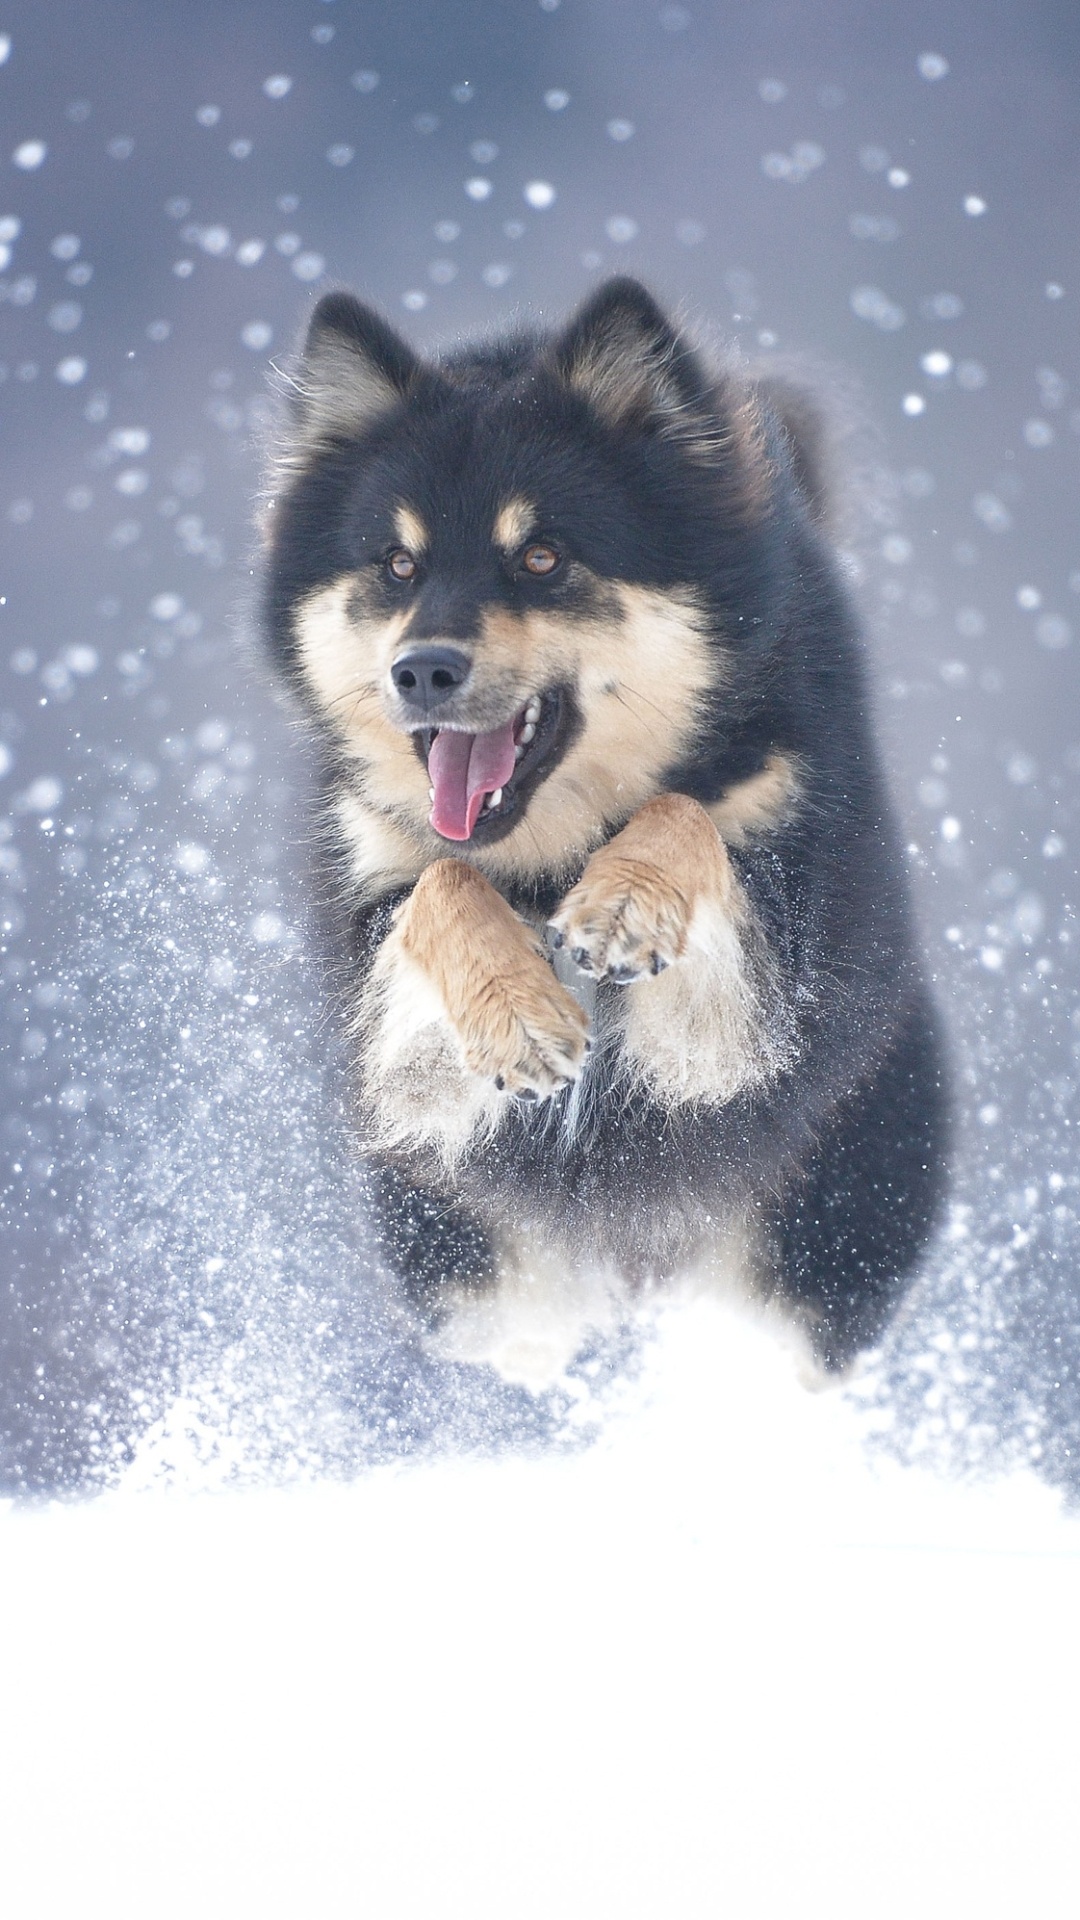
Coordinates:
[714,1665]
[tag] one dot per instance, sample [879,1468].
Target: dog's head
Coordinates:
[495,578]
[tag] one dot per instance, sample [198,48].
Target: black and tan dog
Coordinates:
[628,944]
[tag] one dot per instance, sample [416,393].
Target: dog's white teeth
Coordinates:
[495,799]
[532,713]
[518,751]
[528,732]
[431,793]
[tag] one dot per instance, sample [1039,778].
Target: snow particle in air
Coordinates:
[365,81]
[772,92]
[414,300]
[5,47]
[21,512]
[898,177]
[121,148]
[941,306]
[497,274]
[936,363]
[870,303]
[555,99]
[7,760]
[483,152]
[81,660]
[65,316]
[250,252]
[993,512]
[208,116]
[267,928]
[673,19]
[913,404]
[478,189]
[971,375]
[1038,433]
[308,266]
[1029,598]
[974,204]
[30,154]
[896,549]
[79,499]
[65,246]
[932,66]
[165,606]
[42,795]
[257,335]
[71,370]
[287,244]
[23,660]
[159,330]
[874,226]
[873,159]
[690,232]
[178,207]
[277,85]
[340,154]
[442,272]
[447,231]
[620,130]
[796,166]
[621,229]
[191,858]
[182,268]
[462,92]
[1053,632]
[426,123]
[322,36]
[1054,290]
[241,149]
[1052,849]
[539,194]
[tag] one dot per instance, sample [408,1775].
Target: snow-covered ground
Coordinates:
[715,1665]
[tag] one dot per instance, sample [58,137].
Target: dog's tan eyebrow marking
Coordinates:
[512,523]
[409,528]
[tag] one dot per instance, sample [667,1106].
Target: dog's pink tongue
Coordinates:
[464,768]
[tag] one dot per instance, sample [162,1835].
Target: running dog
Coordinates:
[628,953]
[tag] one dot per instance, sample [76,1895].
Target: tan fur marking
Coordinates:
[641,684]
[460,995]
[513,523]
[410,529]
[641,675]
[662,898]
[631,911]
[760,804]
[512,1017]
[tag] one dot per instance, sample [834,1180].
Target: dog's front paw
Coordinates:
[524,1030]
[630,914]
[625,919]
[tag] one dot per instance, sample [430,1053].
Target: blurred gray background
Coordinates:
[889,190]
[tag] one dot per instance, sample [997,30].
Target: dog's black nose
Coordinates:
[429,675]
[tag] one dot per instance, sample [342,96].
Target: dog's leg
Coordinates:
[660,910]
[462,1009]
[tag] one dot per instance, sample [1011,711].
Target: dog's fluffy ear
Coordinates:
[626,360]
[353,368]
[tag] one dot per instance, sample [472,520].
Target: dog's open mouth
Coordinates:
[477,778]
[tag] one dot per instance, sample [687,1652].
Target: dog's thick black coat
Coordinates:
[658,485]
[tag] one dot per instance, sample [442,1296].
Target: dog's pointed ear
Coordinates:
[622,355]
[352,369]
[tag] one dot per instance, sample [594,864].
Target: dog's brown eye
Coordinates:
[401,564]
[539,560]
